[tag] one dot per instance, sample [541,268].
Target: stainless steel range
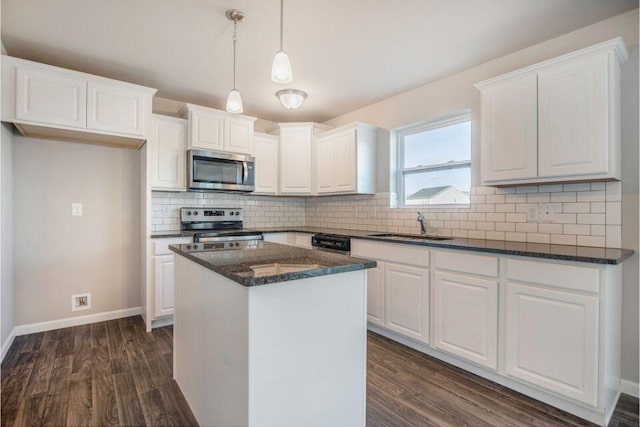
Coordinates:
[216,225]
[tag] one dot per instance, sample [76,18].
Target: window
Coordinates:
[434,162]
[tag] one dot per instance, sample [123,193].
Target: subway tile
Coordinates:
[485,208]
[485,190]
[591,219]
[475,234]
[506,207]
[538,238]
[477,200]
[591,241]
[486,226]
[597,186]
[613,236]
[506,226]
[527,189]
[591,196]
[496,198]
[538,198]
[568,196]
[527,227]
[515,198]
[495,235]
[496,217]
[550,188]
[614,213]
[550,228]
[565,218]
[583,186]
[563,239]
[598,230]
[459,233]
[576,208]
[516,217]
[614,191]
[598,207]
[476,216]
[516,237]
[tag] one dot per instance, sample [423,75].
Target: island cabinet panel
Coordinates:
[552,340]
[465,317]
[407,301]
[117,109]
[50,97]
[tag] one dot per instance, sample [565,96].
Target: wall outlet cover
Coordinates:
[80,302]
[76,209]
[532,213]
[546,213]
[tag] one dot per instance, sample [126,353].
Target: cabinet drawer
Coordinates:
[404,254]
[563,276]
[161,246]
[466,263]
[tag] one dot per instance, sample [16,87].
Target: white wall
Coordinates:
[6,231]
[630,218]
[57,255]
[456,93]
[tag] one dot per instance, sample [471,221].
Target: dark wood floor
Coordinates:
[114,373]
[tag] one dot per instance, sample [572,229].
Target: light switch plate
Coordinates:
[76,209]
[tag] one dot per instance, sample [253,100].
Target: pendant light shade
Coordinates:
[281,71]
[291,98]
[234,100]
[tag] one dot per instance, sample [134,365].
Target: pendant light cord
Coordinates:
[235,39]
[281,21]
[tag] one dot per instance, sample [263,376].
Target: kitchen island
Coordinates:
[270,335]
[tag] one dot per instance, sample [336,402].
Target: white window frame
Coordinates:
[451,120]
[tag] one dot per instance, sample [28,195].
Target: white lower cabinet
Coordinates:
[548,329]
[375,294]
[465,317]
[407,301]
[551,340]
[163,272]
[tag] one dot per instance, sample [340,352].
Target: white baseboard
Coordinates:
[163,321]
[7,344]
[630,388]
[75,321]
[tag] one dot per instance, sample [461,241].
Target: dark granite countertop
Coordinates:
[594,255]
[261,263]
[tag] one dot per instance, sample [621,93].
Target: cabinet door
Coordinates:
[206,130]
[164,271]
[51,97]
[296,160]
[551,340]
[112,108]
[466,317]
[573,118]
[376,294]
[509,130]
[167,153]
[407,301]
[238,135]
[325,164]
[344,148]
[266,154]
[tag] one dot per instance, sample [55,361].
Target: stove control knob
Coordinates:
[188,212]
[195,212]
[230,213]
[237,244]
[237,213]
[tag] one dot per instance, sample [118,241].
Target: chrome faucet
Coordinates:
[423,223]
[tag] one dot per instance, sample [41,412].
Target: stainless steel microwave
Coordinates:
[214,171]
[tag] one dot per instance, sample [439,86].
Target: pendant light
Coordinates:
[281,71]
[291,98]
[234,101]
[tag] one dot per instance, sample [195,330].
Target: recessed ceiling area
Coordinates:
[345,54]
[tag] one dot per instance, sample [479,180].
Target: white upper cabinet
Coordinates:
[211,129]
[52,97]
[166,150]
[509,121]
[573,109]
[51,102]
[345,160]
[556,121]
[266,154]
[113,108]
[297,157]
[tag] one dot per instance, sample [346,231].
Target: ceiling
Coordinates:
[345,54]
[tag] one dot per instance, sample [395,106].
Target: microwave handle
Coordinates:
[245,173]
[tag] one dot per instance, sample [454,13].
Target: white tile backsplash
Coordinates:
[585,213]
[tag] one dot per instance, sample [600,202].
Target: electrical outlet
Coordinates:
[80,302]
[532,213]
[76,209]
[546,213]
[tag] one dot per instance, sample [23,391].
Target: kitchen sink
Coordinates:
[409,236]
